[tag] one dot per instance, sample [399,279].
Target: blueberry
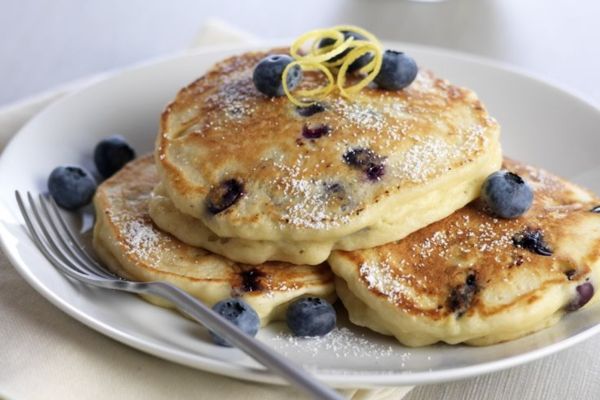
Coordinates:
[224,195]
[359,62]
[312,109]
[111,154]
[397,71]
[361,157]
[268,73]
[585,292]
[71,187]
[570,274]
[532,240]
[240,314]
[335,194]
[506,194]
[335,190]
[461,296]
[375,172]
[367,161]
[315,131]
[252,280]
[310,316]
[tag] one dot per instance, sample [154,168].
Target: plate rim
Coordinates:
[336,379]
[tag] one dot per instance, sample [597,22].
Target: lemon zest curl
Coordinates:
[320,59]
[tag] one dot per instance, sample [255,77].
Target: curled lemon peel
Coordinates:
[356,29]
[316,93]
[371,71]
[338,47]
[319,59]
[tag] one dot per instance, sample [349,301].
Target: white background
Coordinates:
[44,43]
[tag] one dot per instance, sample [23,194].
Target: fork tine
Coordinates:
[41,244]
[46,234]
[67,243]
[70,234]
[54,239]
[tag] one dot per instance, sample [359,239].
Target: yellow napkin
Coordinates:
[45,354]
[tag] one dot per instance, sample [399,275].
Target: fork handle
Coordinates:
[200,312]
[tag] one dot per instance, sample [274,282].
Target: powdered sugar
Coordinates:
[234,101]
[381,277]
[141,238]
[358,115]
[310,209]
[431,156]
[384,122]
[341,343]
[307,203]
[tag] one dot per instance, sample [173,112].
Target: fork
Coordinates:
[57,242]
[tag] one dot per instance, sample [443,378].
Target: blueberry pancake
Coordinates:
[478,279]
[346,173]
[192,231]
[130,244]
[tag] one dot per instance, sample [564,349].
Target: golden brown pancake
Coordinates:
[193,232]
[133,247]
[477,279]
[349,174]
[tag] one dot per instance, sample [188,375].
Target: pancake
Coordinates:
[193,232]
[476,279]
[131,245]
[377,167]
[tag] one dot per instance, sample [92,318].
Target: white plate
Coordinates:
[542,125]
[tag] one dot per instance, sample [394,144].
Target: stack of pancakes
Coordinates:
[373,199]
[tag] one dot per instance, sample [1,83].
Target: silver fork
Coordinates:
[56,241]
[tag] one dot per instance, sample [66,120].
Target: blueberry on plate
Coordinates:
[111,154]
[506,194]
[584,294]
[310,316]
[71,187]
[359,62]
[267,76]
[240,314]
[397,71]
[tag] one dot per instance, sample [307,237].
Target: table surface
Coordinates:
[44,43]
